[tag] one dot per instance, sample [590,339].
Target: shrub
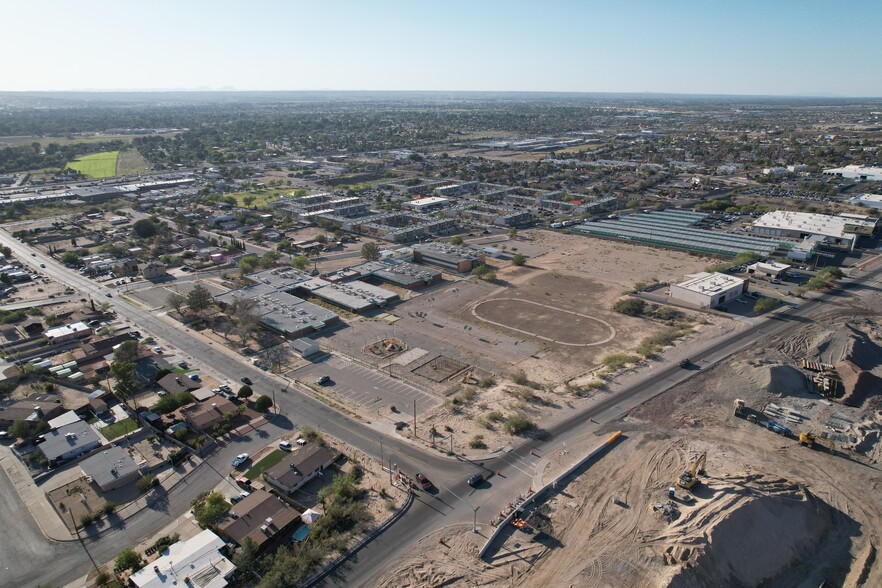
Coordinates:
[596,385]
[518,423]
[630,306]
[486,382]
[477,442]
[165,541]
[128,559]
[494,416]
[666,313]
[312,435]
[519,378]
[146,482]
[108,508]
[89,518]
[519,259]
[467,395]
[245,392]
[618,360]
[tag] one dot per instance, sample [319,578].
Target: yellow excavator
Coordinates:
[689,478]
[810,439]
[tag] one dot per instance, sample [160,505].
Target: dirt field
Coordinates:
[766,512]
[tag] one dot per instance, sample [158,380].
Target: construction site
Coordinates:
[761,470]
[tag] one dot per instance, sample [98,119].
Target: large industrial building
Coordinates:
[280,312]
[868,200]
[708,290]
[675,229]
[843,230]
[856,172]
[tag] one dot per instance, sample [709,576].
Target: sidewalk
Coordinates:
[44,515]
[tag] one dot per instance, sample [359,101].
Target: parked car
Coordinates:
[775,281]
[240,459]
[323,380]
[194,377]
[244,483]
[246,380]
[285,445]
[476,480]
[108,294]
[183,365]
[43,265]
[226,388]
[423,481]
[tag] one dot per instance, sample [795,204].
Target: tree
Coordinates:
[128,559]
[245,392]
[456,240]
[124,374]
[512,233]
[518,259]
[244,312]
[248,200]
[245,557]
[269,259]
[765,305]
[208,510]
[630,306]
[69,258]
[321,238]
[176,301]
[248,264]
[144,228]
[484,272]
[23,429]
[126,352]
[146,482]
[263,403]
[370,251]
[199,298]
[300,262]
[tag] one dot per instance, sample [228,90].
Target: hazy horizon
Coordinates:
[814,48]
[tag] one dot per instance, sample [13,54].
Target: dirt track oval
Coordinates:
[542,321]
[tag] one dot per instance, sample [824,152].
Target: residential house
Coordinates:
[299,467]
[69,442]
[153,271]
[29,410]
[67,333]
[202,416]
[262,517]
[198,561]
[125,267]
[176,383]
[111,468]
[147,368]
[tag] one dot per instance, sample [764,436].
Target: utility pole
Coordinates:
[414,418]
[274,401]
[86,549]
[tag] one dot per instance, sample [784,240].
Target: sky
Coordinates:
[754,47]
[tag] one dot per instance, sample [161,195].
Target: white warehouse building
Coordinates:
[843,229]
[707,290]
[856,172]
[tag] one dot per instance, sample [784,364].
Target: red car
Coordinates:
[423,481]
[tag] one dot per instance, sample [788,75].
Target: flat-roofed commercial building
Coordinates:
[841,230]
[707,290]
[451,257]
[856,172]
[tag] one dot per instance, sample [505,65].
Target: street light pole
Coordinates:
[474,509]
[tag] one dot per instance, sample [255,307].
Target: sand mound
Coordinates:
[849,343]
[777,379]
[757,540]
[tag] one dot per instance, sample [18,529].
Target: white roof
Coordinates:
[809,222]
[198,559]
[867,198]
[772,267]
[65,419]
[427,201]
[67,330]
[710,283]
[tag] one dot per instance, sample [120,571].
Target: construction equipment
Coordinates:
[777,428]
[739,407]
[810,439]
[743,412]
[689,478]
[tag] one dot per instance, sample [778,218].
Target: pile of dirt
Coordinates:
[857,384]
[781,379]
[849,343]
[757,539]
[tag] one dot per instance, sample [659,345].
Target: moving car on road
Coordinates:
[423,481]
[476,480]
[246,380]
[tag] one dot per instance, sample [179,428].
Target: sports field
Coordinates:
[97,165]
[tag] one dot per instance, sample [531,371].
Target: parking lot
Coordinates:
[366,387]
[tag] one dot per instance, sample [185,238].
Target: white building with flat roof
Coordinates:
[856,172]
[837,230]
[194,562]
[867,200]
[767,269]
[707,290]
[428,203]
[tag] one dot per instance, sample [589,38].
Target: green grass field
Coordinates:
[261,197]
[97,165]
[118,429]
[266,463]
